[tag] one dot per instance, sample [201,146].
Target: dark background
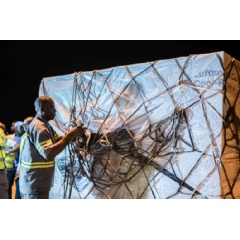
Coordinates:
[23,64]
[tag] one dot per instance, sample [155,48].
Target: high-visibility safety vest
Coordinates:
[3,140]
[9,160]
[22,142]
[23,138]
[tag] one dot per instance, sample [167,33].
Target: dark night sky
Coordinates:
[23,64]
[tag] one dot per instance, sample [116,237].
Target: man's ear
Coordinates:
[42,110]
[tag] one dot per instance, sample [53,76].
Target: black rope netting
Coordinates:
[160,159]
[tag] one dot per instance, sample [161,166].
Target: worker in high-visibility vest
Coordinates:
[18,126]
[7,148]
[12,155]
[3,175]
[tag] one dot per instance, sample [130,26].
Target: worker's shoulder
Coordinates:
[37,126]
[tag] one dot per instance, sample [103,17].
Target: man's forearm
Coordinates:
[59,146]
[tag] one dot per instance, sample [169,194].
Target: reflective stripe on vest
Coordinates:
[24,136]
[2,157]
[2,152]
[9,160]
[3,140]
[37,164]
[2,164]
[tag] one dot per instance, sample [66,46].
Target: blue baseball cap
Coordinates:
[18,124]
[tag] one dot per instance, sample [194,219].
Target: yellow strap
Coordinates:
[33,167]
[10,157]
[23,139]
[44,144]
[37,164]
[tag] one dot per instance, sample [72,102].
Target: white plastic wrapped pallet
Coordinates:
[182,116]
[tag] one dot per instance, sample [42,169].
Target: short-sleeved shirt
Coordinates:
[36,171]
[10,144]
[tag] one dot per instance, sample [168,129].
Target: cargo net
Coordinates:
[164,160]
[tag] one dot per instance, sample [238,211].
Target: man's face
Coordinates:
[26,123]
[12,127]
[19,130]
[49,111]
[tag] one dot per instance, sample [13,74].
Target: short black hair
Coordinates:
[41,101]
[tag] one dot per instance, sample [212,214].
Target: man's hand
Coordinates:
[17,175]
[77,132]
